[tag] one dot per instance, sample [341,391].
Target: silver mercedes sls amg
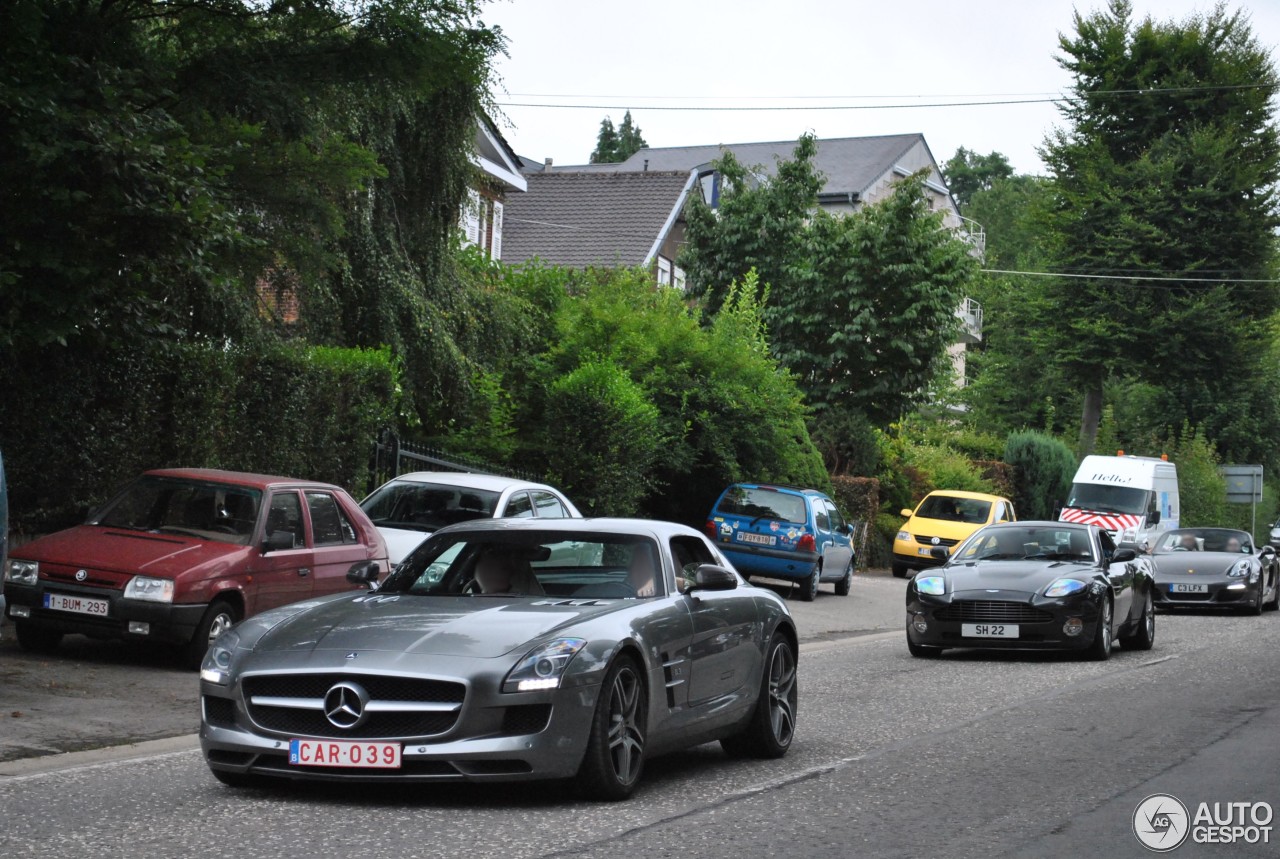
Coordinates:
[507,650]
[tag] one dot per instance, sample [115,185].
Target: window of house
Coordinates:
[664,271]
[677,278]
[495,244]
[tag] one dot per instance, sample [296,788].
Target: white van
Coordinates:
[1135,498]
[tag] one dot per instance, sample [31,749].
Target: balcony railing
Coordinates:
[970,316]
[973,233]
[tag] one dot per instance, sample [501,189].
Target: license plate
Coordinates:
[344,753]
[80,605]
[924,551]
[989,630]
[1179,588]
[758,539]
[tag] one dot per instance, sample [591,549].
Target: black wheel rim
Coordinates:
[782,694]
[1106,627]
[626,736]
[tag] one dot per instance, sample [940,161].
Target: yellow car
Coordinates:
[944,518]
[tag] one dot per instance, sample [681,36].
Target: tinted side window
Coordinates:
[518,506]
[286,515]
[548,506]
[329,524]
[837,521]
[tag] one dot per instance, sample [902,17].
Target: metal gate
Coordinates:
[393,457]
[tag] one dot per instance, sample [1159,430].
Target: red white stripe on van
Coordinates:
[1108,521]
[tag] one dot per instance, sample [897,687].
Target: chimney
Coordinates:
[546,165]
[646,165]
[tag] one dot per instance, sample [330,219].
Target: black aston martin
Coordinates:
[1034,586]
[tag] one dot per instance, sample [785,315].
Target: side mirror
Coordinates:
[906,511]
[1153,518]
[1267,551]
[1124,556]
[277,541]
[709,577]
[940,552]
[364,573]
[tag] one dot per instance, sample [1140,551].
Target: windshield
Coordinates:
[1017,543]
[759,502]
[533,563]
[427,506]
[163,505]
[1205,540]
[1102,498]
[952,509]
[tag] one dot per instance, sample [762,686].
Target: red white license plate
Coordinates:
[344,753]
[758,539]
[80,605]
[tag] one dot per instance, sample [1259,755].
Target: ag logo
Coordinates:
[1161,822]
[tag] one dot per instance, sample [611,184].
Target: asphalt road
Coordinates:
[968,755]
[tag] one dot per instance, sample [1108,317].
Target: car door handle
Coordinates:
[304,571]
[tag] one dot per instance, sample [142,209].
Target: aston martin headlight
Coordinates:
[932,585]
[149,589]
[216,667]
[542,667]
[1239,569]
[22,572]
[1064,587]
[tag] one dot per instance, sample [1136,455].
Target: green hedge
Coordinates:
[1043,468]
[79,421]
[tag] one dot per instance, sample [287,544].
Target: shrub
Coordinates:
[1042,469]
[1201,487]
[858,497]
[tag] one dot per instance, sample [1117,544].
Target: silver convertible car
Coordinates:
[508,649]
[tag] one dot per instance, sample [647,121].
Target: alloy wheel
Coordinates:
[626,736]
[782,694]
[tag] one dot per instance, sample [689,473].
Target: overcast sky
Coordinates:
[749,53]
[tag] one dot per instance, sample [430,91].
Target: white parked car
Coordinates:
[408,508]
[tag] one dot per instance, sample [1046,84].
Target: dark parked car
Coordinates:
[1215,568]
[509,649]
[784,532]
[179,555]
[1034,586]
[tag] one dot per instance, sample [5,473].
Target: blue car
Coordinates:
[783,532]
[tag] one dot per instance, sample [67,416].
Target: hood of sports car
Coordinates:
[1026,576]
[446,626]
[1177,566]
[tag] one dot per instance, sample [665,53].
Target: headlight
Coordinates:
[542,667]
[1130,535]
[1239,569]
[932,585]
[903,535]
[149,589]
[22,572]
[1064,588]
[216,667]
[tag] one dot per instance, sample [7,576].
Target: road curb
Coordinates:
[92,757]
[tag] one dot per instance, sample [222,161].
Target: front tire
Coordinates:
[773,723]
[846,581]
[37,639]
[218,618]
[1275,596]
[1145,636]
[1100,650]
[900,571]
[921,651]
[614,760]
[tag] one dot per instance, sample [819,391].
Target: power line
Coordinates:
[1131,277]
[836,96]
[717,108]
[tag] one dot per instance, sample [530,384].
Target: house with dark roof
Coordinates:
[500,175]
[856,171]
[579,218]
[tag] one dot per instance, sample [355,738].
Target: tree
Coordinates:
[606,150]
[615,145]
[967,173]
[1167,168]
[630,141]
[861,308]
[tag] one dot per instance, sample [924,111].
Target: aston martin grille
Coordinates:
[993,611]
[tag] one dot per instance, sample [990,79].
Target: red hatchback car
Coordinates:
[179,555]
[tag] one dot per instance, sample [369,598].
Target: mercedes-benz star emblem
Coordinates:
[344,705]
[81,575]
